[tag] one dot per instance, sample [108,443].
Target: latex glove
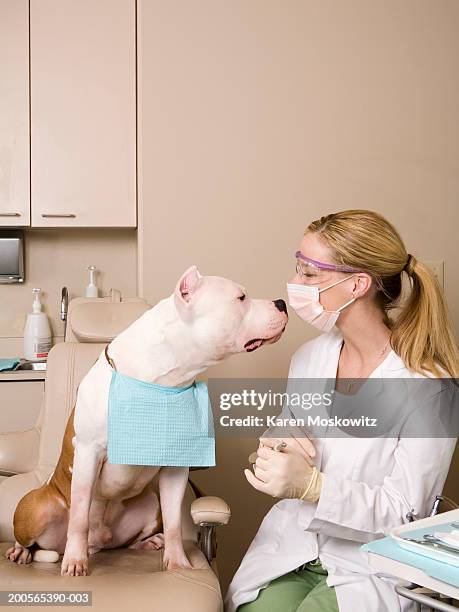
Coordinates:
[287,474]
[297,440]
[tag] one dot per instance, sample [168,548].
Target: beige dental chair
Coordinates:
[119,579]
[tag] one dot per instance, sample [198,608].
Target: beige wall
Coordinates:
[58,257]
[258,116]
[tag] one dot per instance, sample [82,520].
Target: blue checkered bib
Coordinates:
[150,424]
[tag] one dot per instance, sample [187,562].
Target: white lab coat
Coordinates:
[369,486]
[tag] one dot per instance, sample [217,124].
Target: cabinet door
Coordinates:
[83,113]
[14,113]
[20,405]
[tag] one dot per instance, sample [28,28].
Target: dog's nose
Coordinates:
[280,305]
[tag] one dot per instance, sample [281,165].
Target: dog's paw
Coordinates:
[154,542]
[19,554]
[74,567]
[176,559]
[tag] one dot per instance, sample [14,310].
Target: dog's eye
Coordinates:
[241,298]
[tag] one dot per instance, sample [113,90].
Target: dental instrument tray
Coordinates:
[436,537]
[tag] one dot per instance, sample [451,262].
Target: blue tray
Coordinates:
[387,547]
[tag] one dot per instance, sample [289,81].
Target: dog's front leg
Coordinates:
[172,485]
[87,462]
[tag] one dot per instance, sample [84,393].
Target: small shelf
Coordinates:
[22,375]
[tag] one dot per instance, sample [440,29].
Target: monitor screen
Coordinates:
[9,256]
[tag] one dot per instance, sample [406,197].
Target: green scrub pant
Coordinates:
[303,590]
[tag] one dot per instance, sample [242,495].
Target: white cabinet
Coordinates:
[83,113]
[14,113]
[20,404]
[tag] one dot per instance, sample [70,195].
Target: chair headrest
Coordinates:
[101,319]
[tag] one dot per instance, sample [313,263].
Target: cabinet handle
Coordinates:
[10,214]
[67,215]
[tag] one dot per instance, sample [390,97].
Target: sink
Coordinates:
[32,365]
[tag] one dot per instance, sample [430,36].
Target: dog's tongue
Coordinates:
[251,345]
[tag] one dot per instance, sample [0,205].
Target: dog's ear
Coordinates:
[186,287]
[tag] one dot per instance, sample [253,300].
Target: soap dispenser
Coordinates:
[37,332]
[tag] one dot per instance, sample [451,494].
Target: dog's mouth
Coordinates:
[255,343]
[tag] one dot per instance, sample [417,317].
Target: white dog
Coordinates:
[204,321]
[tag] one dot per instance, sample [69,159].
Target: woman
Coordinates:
[340,492]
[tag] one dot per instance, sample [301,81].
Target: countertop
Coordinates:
[21,375]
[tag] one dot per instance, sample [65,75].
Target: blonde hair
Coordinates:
[421,331]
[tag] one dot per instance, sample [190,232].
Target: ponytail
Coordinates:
[422,335]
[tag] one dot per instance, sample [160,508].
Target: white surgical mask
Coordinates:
[304,300]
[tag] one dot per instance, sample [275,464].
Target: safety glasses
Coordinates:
[305,266]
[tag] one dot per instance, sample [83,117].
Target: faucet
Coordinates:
[64,307]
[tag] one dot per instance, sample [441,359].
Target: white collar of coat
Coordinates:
[318,358]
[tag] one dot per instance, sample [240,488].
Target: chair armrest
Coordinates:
[19,451]
[210,510]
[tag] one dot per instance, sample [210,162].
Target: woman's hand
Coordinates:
[297,440]
[289,474]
